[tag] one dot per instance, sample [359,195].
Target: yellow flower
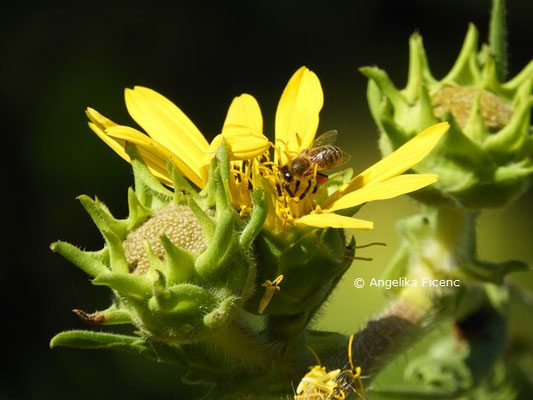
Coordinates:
[302,201]
[171,136]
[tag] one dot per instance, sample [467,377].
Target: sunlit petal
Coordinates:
[155,155]
[167,125]
[98,125]
[384,190]
[244,111]
[98,119]
[116,146]
[242,142]
[396,163]
[334,221]
[154,159]
[297,112]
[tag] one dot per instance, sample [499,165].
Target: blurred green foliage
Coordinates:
[60,58]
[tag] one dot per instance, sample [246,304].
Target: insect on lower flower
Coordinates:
[333,385]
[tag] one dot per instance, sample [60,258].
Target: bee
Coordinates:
[318,384]
[320,156]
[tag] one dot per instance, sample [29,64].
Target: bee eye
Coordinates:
[288,176]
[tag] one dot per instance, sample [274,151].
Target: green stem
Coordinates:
[498,37]
[437,240]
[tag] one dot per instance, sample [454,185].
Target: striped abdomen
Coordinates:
[326,157]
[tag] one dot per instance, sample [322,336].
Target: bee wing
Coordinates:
[325,139]
[345,158]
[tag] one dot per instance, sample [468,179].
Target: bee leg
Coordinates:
[321,178]
[302,196]
[278,187]
[288,190]
[315,188]
[296,185]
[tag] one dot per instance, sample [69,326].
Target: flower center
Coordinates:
[290,197]
[495,111]
[176,221]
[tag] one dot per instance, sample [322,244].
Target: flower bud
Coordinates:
[311,262]
[485,159]
[180,265]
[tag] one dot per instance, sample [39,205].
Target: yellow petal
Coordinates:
[396,163]
[133,136]
[244,111]
[297,113]
[98,125]
[167,125]
[155,162]
[99,119]
[155,155]
[334,221]
[383,190]
[117,147]
[242,143]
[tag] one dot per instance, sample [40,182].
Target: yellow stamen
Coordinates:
[355,372]
[350,343]
[271,287]
[314,354]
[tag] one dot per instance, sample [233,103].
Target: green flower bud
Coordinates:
[485,159]
[180,265]
[460,362]
[442,244]
[311,262]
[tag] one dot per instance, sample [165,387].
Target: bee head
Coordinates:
[286,173]
[298,167]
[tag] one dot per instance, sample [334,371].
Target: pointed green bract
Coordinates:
[137,212]
[180,262]
[150,191]
[179,295]
[128,285]
[111,316]
[181,186]
[117,257]
[208,225]
[257,219]
[93,340]
[490,120]
[83,260]
[102,217]
[211,259]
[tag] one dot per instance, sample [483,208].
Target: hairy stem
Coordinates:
[437,242]
[498,37]
[243,347]
[394,331]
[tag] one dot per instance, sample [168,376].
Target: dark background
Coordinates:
[58,59]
